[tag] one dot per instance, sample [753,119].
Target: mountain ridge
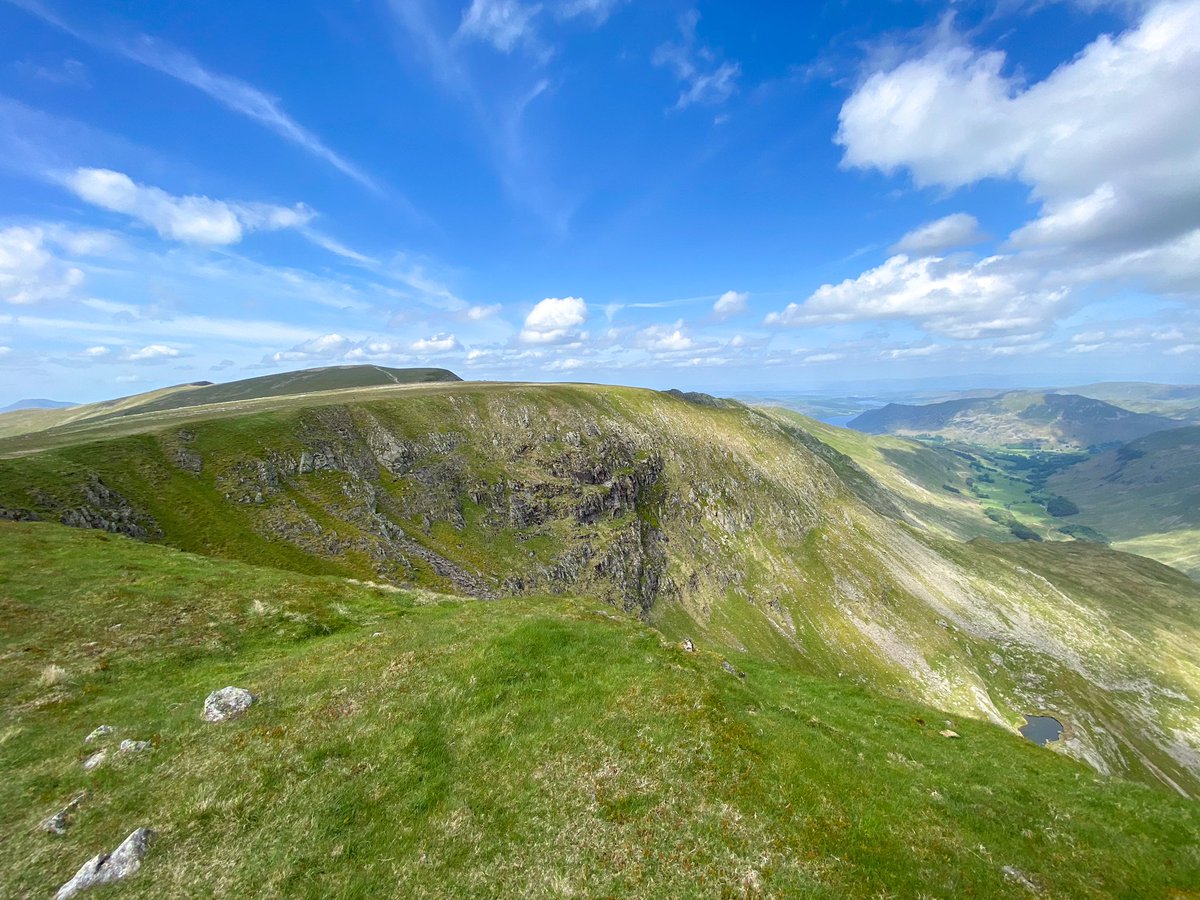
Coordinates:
[719,523]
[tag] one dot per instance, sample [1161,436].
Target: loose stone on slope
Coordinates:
[58,823]
[227,703]
[105,868]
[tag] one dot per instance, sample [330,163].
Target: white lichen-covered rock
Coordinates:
[105,868]
[95,759]
[58,823]
[134,746]
[99,732]
[227,703]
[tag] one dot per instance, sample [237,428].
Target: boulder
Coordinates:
[95,759]
[105,868]
[134,746]
[99,732]
[227,703]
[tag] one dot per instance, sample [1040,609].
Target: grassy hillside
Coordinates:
[931,483]
[1179,401]
[1017,419]
[282,384]
[1145,496]
[724,524]
[416,745]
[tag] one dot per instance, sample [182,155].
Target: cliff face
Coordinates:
[715,523]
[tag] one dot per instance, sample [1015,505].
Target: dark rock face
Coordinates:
[105,509]
[400,493]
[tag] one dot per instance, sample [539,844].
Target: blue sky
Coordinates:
[722,196]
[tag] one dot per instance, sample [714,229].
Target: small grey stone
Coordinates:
[226,703]
[729,667]
[134,746]
[95,759]
[688,646]
[57,823]
[105,868]
[99,732]
[1016,876]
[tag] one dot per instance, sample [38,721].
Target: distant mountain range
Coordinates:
[35,403]
[1036,420]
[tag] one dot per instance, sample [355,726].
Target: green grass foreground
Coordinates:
[537,747]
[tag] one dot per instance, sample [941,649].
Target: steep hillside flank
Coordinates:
[721,524]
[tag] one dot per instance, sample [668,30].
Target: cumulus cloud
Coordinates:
[152,353]
[439,343]
[479,313]
[190,219]
[554,320]
[956,230]
[30,272]
[984,299]
[702,79]
[327,346]
[567,364]
[665,338]
[730,303]
[1108,143]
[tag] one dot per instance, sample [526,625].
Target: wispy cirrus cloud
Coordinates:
[704,80]
[234,94]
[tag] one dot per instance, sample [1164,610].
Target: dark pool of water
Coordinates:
[1041,729]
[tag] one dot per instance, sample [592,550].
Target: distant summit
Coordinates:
[203,393]
[35,403]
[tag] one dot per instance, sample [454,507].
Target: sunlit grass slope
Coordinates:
[407,744]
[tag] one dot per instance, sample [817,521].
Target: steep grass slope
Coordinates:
[722,524]
[1019,418]
[405,744]
[1145,496]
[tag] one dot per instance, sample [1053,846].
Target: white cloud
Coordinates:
[966,301]
[96,352]
[152,353]
[597,10]
[479,313]
[956,230]
[665,338]
[568,364]
[502,23]
[29,272]
[704,81]
[232,93]
[191,219]
[325,347]
[554,320]
[730,303]
[439,343]
[1109,143]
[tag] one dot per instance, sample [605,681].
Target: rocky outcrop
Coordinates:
[99,506]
